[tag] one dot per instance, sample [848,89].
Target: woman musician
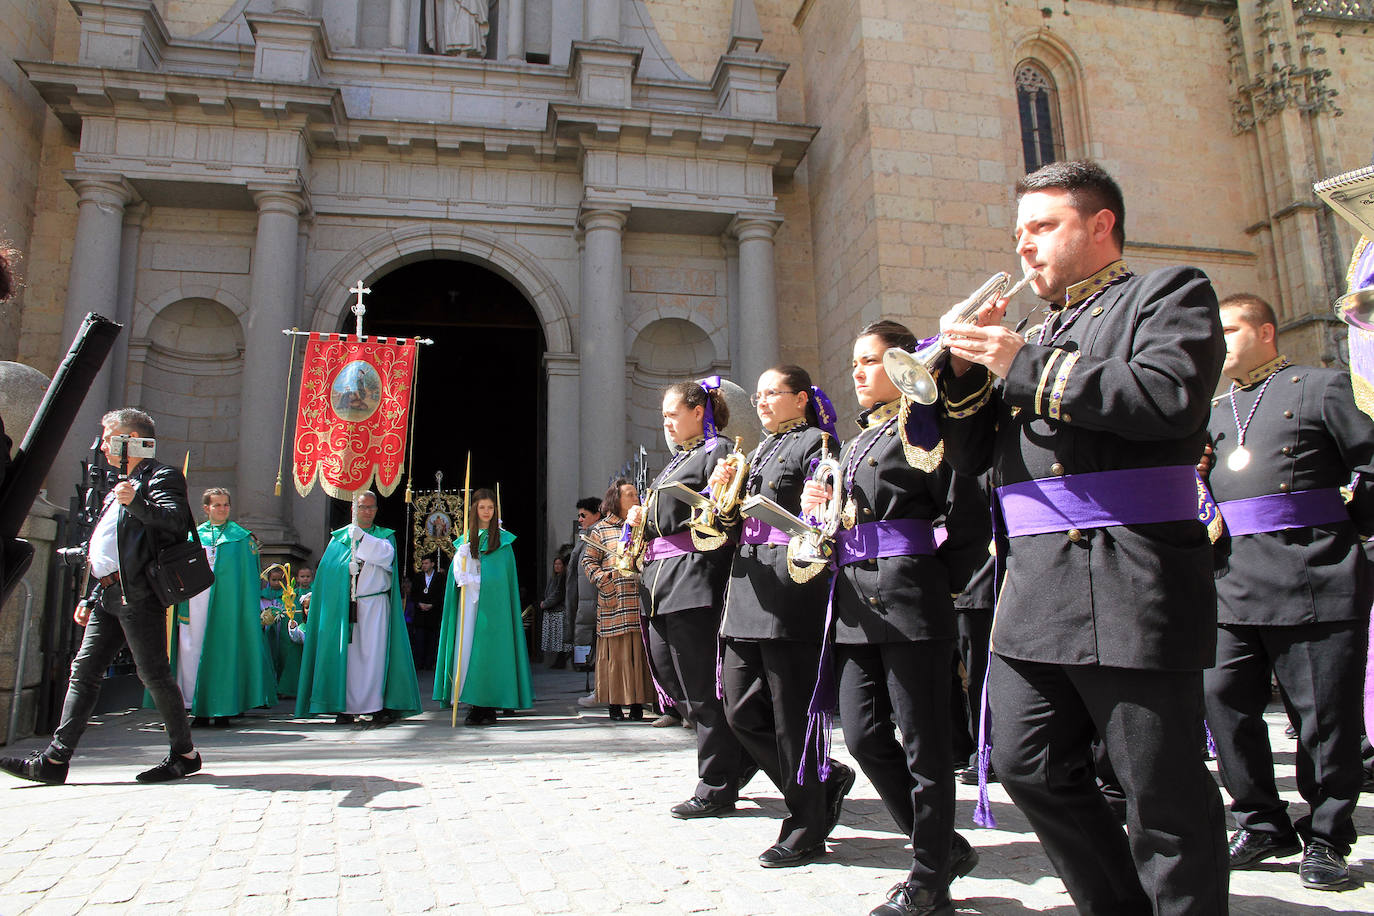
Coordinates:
[774,625]
[894,624]
[682,590]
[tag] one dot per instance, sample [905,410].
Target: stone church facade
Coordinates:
[674,187]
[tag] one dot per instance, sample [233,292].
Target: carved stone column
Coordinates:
[602,21]
[272,292]
[515,30]
[563,485]
[134,218]
[93,286]
[601,344]
[397,25]
[758,297]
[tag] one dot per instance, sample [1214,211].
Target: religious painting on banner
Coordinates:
[353,416]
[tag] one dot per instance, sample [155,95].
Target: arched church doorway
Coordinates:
[479,388]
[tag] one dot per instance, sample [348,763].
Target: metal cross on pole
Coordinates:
[358,308]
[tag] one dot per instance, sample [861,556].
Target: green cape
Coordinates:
[499,665]
[235,672]
[286,655]
[324,663]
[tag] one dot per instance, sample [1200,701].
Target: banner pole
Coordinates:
[286,407]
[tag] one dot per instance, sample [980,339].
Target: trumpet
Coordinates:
[811,545]
[914,373]
[631,552]
[709,510]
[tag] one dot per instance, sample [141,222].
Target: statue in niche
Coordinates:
[456,28]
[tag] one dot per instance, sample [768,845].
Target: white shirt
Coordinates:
[103,549]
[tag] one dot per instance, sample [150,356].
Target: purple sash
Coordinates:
[1138,496]
[902,537]
[760,532]
[669,546]
[1279,511]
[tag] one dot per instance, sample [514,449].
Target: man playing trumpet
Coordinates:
[1092,423]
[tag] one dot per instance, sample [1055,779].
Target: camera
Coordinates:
[72,557]
[132,447]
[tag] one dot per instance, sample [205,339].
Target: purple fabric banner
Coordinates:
[1138,496]
[902,537]
[759,532]
[1280,511]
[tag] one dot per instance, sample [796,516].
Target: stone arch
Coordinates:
[634,331]
[1052,54]
[190,358]
[664,349]
[146,313]
[386,251]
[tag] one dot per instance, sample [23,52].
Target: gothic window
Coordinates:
[1037,99]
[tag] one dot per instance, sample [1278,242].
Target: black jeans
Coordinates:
[143,625]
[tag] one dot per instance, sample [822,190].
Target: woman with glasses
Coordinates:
[774,625]
[893,615]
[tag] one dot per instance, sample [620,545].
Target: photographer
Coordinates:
[144,513]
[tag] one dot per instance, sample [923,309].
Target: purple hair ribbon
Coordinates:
[708,417]
[825,411]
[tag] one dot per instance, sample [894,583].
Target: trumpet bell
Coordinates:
[1357,309]
[909,372]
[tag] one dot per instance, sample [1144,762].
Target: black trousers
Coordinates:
[1175,860]
[975,633]
[684,643]
[143,625]
[1320,670]
[908,682]
[768,685]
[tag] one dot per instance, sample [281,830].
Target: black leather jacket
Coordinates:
[158,516]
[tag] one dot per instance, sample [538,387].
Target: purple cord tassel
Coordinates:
[982,812]
[664,700]
[820,721]
[819,729]
[720,668]
[1211,745]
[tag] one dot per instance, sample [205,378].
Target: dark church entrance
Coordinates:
[479,388]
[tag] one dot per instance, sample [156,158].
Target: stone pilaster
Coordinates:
[289,47]
[758,297]
[515,30]
[134,218]
[397,25]
[604,72]
[602,20]
[93,286]
[601,343]
[562,481]
[273,287]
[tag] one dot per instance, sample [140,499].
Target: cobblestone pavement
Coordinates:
[554,811]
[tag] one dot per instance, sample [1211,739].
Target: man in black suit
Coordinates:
[1107,613]
[427,595]
[146,512]
[1294,592]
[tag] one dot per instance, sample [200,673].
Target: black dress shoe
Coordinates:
[1323,868]
[780,856]
[200,722]
[1249,848]
[836,788]
[35,768]
[963,858]
[910,900]
[173,766]
[343,718]
[696,807]
[969,775]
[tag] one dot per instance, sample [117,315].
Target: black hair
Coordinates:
[1089,187]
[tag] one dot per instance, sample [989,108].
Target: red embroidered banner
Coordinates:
[354,407]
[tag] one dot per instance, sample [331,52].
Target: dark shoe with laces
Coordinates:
[1248,847]
[173,766]
[35,768]
[780,856]
[1323,868]
[836,788]
[909,900]
[696,807]
[963,858]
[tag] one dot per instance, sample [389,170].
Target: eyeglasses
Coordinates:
[768,395]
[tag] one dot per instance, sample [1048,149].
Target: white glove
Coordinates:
[355,533]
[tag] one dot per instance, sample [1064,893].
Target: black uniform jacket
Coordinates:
[1306,434]
[901,599]
[696,579]
[1134,377]
[158,516]
[980,592]
[762,601]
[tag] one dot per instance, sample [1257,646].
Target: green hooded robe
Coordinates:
[235,672]
[498,666]
[286,655]
[323,686]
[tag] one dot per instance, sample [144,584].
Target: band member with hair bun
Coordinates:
[774,625]
[893,618]
[682,590]
[491,646]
